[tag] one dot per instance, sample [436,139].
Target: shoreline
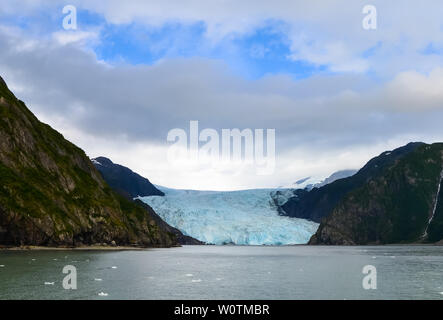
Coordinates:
[131,248]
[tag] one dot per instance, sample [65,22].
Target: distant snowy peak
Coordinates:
[307,182]
[102,161]
[301,181]
[335,176]
[95,162]
[310,183]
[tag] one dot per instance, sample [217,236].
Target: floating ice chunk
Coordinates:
[103,294]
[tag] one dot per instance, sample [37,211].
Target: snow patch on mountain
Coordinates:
[247,217]
[335,176]
[310,183]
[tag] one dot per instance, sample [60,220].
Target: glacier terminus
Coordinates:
[246,217]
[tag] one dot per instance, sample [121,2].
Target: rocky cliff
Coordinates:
[396,199]
[123,179]
[319,202]
[51,194]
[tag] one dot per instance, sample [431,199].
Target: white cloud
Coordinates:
[323,123]
[79,37]
[335,55]
[417,91]
[320,32]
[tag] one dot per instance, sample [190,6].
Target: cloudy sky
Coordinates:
[335,93]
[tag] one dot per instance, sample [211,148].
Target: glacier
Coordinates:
[247,217]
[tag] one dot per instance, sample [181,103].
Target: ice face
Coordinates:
[246,217]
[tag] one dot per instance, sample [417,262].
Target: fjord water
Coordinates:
[226,272]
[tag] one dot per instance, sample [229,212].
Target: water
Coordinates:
[226,272]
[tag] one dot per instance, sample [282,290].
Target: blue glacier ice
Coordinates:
[247,217]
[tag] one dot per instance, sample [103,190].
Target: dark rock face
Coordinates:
[129,184]
[319,202]
[399,201]
[51,194]
[124,179]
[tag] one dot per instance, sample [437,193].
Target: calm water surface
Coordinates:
[226,272]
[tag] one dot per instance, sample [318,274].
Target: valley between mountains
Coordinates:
[52,194]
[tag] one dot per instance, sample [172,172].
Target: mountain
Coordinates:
[310,183]
[304,183]
[394,198]
[301,181]
[335,176]
[246,217]
[123,179]
[131,185]
[52,195]
[319,202]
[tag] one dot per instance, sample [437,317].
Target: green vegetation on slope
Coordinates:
[51,194]
[393,206]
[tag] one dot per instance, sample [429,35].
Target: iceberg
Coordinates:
[247,217]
